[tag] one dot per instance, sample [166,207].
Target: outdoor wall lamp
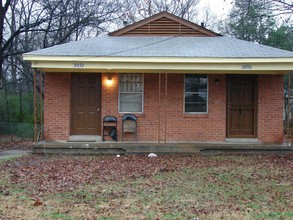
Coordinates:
[109,80]
[217,81]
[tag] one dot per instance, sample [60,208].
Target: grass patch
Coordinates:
[274,215]
[219,187]
[56,216]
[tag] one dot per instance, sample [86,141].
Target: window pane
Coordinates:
[131,92]
[130,107]
[138,87]
[191,97]
[130,97]
[196,93]
[198,107]
[131,83]
[130,102]
[196,83]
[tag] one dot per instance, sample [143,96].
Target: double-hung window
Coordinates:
[131,93]
[196,93]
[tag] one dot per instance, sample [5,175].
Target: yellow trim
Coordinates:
[161,64]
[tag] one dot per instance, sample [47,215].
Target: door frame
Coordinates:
[255,130]
[71,101]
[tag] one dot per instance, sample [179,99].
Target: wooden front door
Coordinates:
[241,106]
[86,104]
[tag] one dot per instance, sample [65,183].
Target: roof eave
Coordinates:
[154,59]
[161,64]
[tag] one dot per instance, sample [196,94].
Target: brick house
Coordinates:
[184,83]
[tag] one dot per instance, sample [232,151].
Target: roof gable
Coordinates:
[164,24]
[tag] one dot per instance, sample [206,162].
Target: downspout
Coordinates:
[38,105]
[159,109]
[166,105]
[288,109]
[35,106]
[41,107]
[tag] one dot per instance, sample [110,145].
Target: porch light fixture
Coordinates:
[109,80]
[217,81]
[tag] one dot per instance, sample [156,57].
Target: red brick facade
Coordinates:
[270,108]
[57,106]
[180,127]
[166,119]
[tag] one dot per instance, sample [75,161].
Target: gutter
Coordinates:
[161,64]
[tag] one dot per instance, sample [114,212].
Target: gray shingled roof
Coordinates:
[221,47]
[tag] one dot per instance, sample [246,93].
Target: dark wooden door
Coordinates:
[241,106]
[86,104]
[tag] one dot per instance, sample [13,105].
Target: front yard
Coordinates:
[136,187]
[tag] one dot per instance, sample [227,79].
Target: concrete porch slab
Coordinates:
[242,140]
[159,148]
[84,138]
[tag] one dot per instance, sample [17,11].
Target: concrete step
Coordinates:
[84,138]
[77,150]
[242,140]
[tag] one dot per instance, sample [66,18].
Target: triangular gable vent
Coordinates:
[164,24]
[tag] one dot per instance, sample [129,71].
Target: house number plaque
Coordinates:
[246,67]
[78,65]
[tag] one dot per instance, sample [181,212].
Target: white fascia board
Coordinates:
[155,64]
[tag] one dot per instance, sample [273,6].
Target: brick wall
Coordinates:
[57,106]
[179,126]
[270,108]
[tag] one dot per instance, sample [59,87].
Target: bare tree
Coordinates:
[15,21]
[283,7]
[139,9]
[27,25]
[3,10]
[49,22]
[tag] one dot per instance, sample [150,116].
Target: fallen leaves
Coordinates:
[8,142]
[43,174]
[38,203]
[61,173]
[166,187]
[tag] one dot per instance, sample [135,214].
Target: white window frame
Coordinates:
[207,111]
[142,94]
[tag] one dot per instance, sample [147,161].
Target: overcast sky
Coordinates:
[220,8]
